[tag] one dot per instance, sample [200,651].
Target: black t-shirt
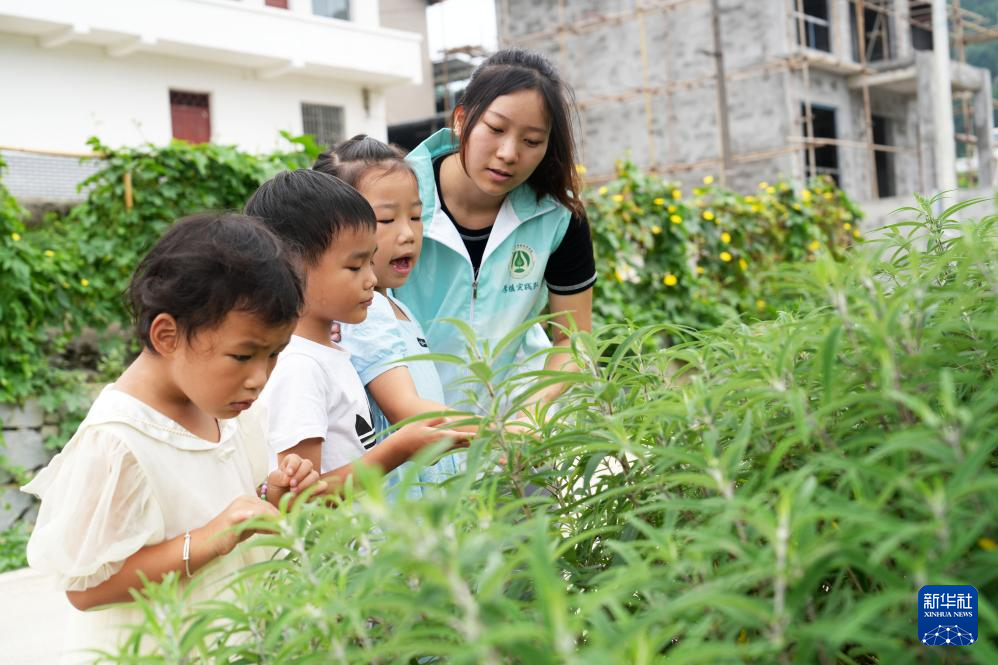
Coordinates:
[571,267]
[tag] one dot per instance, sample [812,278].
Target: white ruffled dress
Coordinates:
[132,477]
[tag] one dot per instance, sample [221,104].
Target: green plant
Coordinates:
[13,547]
[768,493]
[140,191]
[698,258]
[38,272]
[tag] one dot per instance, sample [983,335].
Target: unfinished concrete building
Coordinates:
[750,91]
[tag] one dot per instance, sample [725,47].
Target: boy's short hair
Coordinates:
[308,210]
[207,265]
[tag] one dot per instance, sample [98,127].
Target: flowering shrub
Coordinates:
[767,493]
[698,258]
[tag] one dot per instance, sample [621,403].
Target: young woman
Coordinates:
[505,232]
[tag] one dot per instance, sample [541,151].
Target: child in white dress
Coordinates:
[170,456]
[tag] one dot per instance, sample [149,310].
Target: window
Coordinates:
[332,8]
[816,26]
[877,25]
[190,116]
[826,156]
[884,160]
[325,123]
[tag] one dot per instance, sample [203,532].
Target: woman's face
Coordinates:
[507,143]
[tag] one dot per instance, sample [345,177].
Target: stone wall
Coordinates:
[23,436]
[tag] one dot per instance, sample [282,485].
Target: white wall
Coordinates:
[54,99]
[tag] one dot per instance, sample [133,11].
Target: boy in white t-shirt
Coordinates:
[315,400]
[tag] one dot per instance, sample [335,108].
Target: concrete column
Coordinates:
[838,17]
[942,108]
[901,30]
[926,122]
[982,129]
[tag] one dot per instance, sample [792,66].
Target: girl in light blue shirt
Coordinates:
[390,333]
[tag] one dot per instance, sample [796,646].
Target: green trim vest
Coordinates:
[509,287]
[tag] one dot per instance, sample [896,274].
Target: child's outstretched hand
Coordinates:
[423,433]
[219,535]
[295,475]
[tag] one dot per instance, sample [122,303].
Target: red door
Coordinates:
[190,115]
[282,4]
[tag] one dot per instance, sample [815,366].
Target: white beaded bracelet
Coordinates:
[186,556]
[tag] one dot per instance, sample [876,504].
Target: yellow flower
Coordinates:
[987,544]
[806,194]
[672,208]
[725,237]
[814,246]
[670,280]
[580,169]
[84,282]
[763,185]
[656,229]
[675,219]
[750,199]
[620,277]
[602,191]
[856,234]
[760,304]
[700,270]
[828,196]
[847,226]
[677,194]
[726,256]
[708,180]
[743,264]
[49,253]
[617,198]
[757,208]
[797,207]
[708,215]
[659,201]
[15,236]
[770,190]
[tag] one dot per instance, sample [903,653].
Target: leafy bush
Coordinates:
[775,492]
[699,258]
[39,273]
[141,191]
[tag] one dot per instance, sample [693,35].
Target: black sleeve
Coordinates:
[572,266]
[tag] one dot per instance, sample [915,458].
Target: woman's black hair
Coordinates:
[355,157]
[511,70]
[207,265]
[308,209]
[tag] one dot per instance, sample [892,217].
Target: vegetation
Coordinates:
[774,492]
[699,258]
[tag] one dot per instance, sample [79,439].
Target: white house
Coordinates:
[229,71]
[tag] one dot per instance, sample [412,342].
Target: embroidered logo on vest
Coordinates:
[521,264]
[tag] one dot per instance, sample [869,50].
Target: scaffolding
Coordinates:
[874,51]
